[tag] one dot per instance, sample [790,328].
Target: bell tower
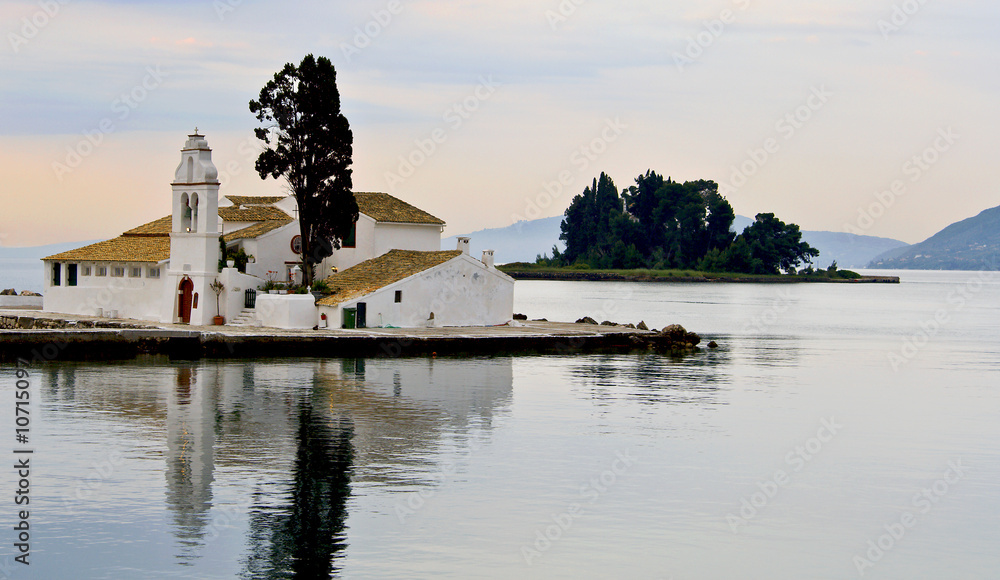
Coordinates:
[194,235]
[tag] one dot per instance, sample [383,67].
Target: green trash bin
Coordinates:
[350,316]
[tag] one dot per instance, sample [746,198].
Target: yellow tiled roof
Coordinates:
[254,213]
[257,230]
[160,227]
[125,248]
[379,272]
[252,200]
[386,208]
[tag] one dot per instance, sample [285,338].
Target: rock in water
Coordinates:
[520,317]
[29,293]
[713,344]
[674,333]
[642,326]
[586,320]
[9,292]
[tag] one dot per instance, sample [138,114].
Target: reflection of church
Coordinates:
[290,439]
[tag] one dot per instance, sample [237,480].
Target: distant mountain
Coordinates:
[520,242]
[523,241]
[971,244]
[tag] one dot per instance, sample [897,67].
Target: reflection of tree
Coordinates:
[301,539]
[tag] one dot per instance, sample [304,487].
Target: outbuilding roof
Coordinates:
[124,248]
[256,230]
[254,200]
[253,213]
[160,227]
[389,268]
[383,207]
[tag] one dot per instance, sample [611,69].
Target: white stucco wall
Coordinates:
[135,298]
[271,251]
[288,311]
[420,237]
[460,292]
[233,298]
[376,238]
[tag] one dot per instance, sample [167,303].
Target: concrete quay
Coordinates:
[41,336]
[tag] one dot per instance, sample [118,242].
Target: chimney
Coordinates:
[488,258]
[463,244]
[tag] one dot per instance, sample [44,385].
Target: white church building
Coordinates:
[389,272]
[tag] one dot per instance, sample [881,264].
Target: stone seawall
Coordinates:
[122,344]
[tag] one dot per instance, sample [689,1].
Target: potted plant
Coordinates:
[218,288]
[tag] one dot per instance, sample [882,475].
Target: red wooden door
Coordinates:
[185,292]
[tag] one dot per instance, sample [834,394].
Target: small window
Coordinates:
[56,274]
[85,270]
[153,273]
[351,240]
[71,274]
[135,272]
[117,271]
[399,296]
[102,271]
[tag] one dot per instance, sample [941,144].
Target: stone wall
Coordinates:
[32,323]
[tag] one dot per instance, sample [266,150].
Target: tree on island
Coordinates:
[656,223]
[309,142]
[660,223]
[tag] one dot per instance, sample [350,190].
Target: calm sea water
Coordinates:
[838,430]
[21,274]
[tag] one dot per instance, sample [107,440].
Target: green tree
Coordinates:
[777,245]
[588,227]
[309,143]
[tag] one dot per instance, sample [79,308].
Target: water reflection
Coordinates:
[284,441]
[655,379]
[302,538]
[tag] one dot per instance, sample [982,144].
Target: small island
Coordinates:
[663,230]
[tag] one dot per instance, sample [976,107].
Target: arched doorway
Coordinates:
[184,293]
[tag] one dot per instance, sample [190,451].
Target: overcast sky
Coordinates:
[476,110]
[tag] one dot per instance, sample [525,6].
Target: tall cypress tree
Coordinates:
[309,143]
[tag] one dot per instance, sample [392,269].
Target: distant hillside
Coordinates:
[520,242]
[524,240]
[971,244]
